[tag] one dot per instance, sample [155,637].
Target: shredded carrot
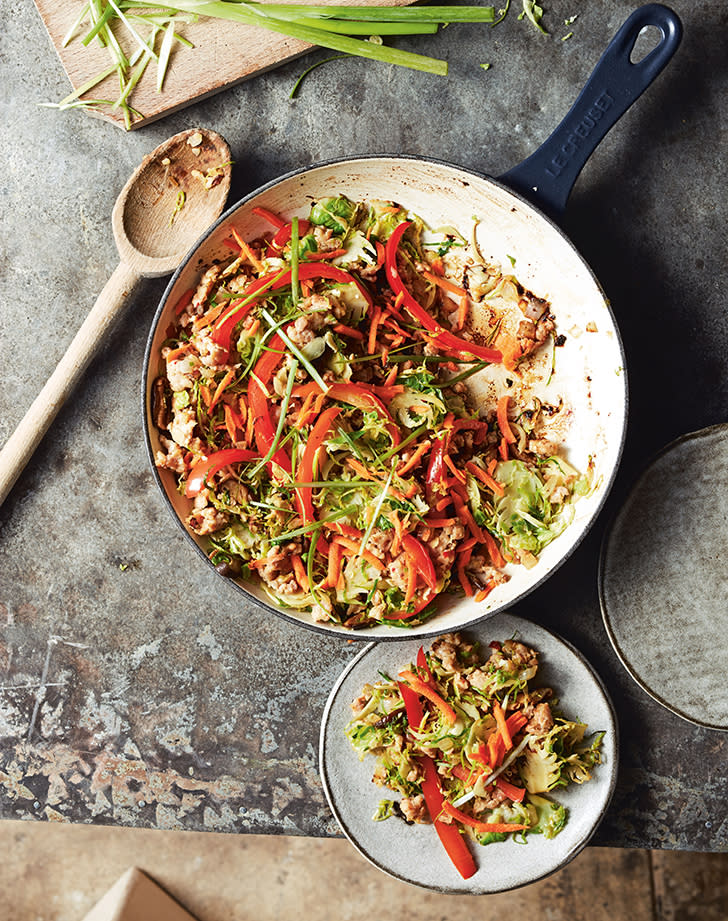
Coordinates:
[503,449]
[463,579]
[439,522]
[437,267]
[242,409]
[502,415]
[391,377]
[420,687]
[334,570]
[464,513]
[483,593]
[300,572]
[304,411]
[408,493]
[372,343]
[493,550]
[500,721]
[252,329]
[462,312]
[306,287]
[249,431]
[232,423]
[329,254]
[246,251]
[354,547]
[411,583]
[348,331]
[414,460]
[225,382]
[177,353]
[492,464]
[206,394]
[346,529]
[319,403]
[495,749]
[446,285]
[391,324]
[208,318]
[443,503]
[458,474]
[485,478]
[399,300]
[467,545]
[359,468]
[397,539]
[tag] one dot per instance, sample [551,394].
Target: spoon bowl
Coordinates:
[171,199]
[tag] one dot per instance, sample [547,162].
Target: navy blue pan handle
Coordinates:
[548,175]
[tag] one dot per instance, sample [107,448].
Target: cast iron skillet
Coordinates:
[518,213]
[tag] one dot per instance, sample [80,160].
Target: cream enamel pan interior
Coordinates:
[589,376]
[589,368]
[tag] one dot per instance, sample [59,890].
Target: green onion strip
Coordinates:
[281,419]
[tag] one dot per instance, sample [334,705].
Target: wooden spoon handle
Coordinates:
[25,439]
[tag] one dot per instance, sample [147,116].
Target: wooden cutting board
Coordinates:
[225,53]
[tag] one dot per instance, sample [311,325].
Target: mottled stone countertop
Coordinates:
[135,687]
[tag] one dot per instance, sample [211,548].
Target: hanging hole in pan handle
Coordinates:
[623,73]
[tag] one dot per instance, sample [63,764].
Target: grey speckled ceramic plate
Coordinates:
[414,853]
[663,578]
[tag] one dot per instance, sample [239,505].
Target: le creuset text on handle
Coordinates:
[548,175]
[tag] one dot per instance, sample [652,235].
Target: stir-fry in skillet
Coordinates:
[313,403]
[471,745]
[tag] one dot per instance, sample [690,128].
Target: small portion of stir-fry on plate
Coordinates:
[313,403]
[472,745]
[534,743]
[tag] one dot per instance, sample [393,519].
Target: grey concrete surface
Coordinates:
[136,689]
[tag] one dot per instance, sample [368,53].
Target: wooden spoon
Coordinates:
[178,190]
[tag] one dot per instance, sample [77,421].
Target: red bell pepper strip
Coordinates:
[270,216]
[223,329]
[308,460]
[452,840]
[184,301]
[412,705]
[435,487]
[208,466]
[482,827]
[515,794]
[408,615]
[442,336]
[283,235]
[417,552]
[422,666]
[421,687]
[259,406]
